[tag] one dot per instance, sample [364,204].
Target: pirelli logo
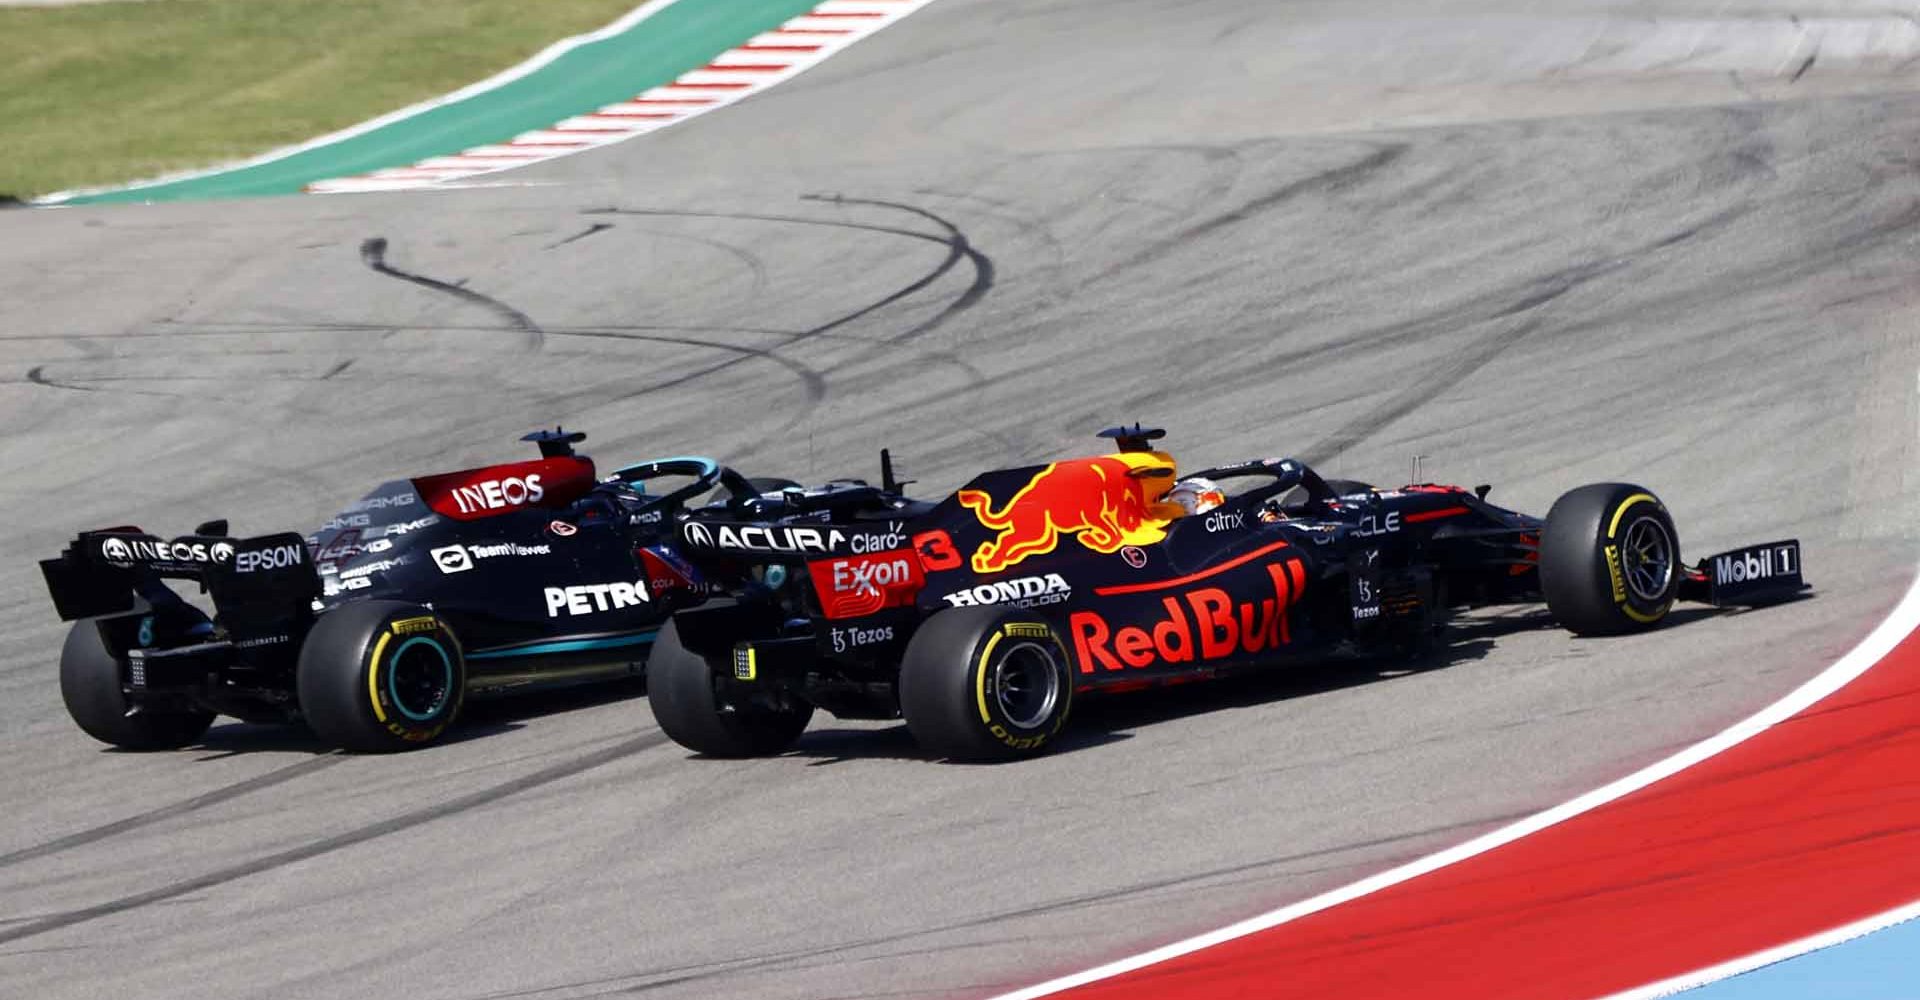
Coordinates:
[1026,630]
[415,626]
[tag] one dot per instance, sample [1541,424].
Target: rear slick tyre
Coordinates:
[981,684]
[1609,560]
[688,708]
[90,679]
[380,676]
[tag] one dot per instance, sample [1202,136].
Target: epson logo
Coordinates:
[1020,592]
[1754,564]
[756,538]
[869,577]
[497,494]
[589,598]
[276,557]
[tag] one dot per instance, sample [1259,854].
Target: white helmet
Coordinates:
[1197,495]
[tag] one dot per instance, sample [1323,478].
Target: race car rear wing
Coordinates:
[102,572]
[1758,574]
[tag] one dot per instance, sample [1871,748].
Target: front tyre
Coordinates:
[1609,559]
[985,684]
[686,703]
[378,676]
[90,679]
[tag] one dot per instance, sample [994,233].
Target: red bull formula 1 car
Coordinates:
[980,619]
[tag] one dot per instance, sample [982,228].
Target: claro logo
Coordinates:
[498,494]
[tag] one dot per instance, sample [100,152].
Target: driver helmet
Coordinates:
[1197,495]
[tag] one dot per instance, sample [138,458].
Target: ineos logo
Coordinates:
[116,551]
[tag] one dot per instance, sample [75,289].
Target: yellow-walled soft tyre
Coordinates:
[378,676]
[1609,559]
[986,684]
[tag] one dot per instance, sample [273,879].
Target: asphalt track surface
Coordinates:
[1541,248]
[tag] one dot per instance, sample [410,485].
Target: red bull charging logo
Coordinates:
[1098,500]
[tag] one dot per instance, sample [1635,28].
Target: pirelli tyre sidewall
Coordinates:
[986,684]
[1609,559]
[378,676]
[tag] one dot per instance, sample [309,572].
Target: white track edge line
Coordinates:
[1781,953]
[1899,623]
[494,82]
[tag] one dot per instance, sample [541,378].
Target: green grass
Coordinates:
[104,93]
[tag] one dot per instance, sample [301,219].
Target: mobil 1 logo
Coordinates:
[1775,564]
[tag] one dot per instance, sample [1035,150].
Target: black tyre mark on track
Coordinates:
[268,780]
[373,252]
[815,383]
[1337,179]
[598,227]
[38,376]
[959,248]
[328,845]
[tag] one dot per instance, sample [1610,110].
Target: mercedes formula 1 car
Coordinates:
[374,629]
[981,618]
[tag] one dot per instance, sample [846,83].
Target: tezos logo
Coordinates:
[452,559]
[497,494]
[850,638]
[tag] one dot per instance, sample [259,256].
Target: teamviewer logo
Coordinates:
[452,559]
